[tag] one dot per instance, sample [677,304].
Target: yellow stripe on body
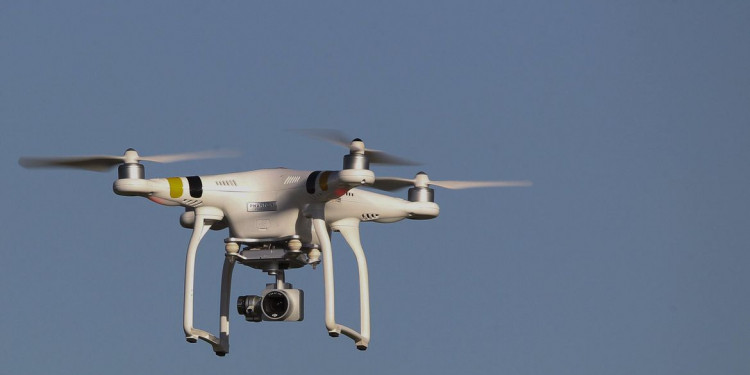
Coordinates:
[175,187]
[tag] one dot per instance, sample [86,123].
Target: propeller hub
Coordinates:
[421,180]
[131,156]
[357,147]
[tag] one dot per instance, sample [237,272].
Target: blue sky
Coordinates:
[628,255]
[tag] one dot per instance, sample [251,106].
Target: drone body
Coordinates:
[271,203]
[278,219]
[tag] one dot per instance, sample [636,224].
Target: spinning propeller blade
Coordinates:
[421,180]
[99,163]
[478,184]
[211,154]
[102,163]
[339,138]
[392,183]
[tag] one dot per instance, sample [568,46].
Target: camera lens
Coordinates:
[275,305]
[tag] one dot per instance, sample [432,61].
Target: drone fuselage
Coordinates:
[274,203]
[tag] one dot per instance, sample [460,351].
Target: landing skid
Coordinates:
[273,255]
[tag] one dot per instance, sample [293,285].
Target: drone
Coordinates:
[278,219]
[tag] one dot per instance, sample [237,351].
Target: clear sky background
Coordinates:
[629,255]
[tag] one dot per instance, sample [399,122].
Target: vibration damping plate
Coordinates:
[272,259]
[271,253]
[261,241]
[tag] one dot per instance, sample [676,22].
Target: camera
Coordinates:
[280,305]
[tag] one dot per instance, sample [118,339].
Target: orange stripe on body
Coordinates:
[324,180]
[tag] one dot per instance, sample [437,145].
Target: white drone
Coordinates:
[278,219]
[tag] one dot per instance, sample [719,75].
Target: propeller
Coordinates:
[422,181]
[355,146]
[102,163]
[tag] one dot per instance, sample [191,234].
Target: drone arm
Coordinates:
[204,217]
[328,185]
[135,186]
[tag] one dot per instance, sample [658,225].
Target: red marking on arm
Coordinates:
[340,191]
[157,200]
